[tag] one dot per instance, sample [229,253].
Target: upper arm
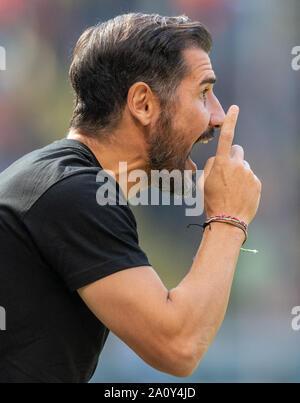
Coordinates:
[134,305]
[94,249]
[79,239]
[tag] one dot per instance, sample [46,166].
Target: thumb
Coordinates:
[208,167]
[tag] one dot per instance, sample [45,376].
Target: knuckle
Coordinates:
[237,164]
[258,182]
[221,162]
[246,165]
[237,147]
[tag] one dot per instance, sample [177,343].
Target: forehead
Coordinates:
[199,64]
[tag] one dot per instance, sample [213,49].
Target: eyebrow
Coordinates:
[210,80]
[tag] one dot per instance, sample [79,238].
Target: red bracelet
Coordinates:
[226,217]
[228,220]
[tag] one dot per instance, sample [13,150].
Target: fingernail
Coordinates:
[235,108]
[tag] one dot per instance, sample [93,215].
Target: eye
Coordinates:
[203,94]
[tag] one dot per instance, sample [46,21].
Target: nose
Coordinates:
[217,113]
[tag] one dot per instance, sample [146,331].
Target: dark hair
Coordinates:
[110,57]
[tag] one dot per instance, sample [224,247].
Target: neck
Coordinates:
[120,153]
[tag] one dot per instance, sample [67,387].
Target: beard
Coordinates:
[168,152]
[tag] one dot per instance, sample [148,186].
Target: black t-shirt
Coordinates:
[54,239]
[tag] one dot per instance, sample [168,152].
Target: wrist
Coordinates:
[226,230]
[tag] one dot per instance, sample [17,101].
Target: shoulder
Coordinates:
[36,174]
[80,239]
[89,193]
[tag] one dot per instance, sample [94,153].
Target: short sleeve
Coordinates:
[80,239]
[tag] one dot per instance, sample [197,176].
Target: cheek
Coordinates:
[195,118]
[201,114]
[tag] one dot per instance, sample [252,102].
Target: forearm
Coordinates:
[200,301]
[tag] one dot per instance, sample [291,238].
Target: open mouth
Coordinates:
[207,136]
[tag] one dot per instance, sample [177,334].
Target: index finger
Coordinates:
[227,132]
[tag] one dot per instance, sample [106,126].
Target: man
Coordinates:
[72,269]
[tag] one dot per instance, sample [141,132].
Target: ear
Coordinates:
[142,103]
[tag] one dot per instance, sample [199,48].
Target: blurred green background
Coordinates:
[252,58]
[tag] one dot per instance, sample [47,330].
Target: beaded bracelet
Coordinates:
[228,220]
[227,217]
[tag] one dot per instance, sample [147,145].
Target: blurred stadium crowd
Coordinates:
[252,60]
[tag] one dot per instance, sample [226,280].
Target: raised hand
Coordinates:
[230,186]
